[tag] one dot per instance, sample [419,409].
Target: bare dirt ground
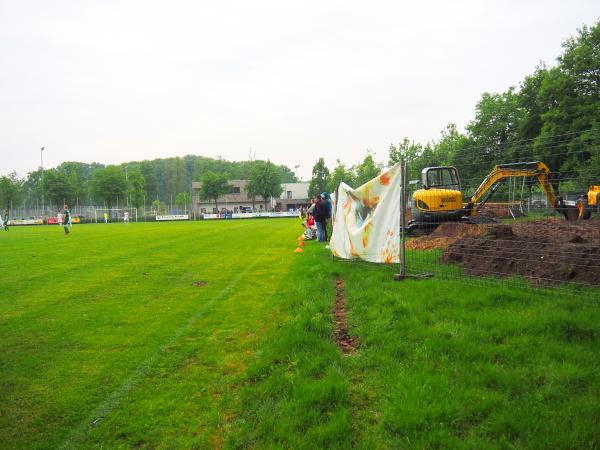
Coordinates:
[341,335]
[549,251]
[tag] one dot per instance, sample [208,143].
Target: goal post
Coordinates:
[115,214]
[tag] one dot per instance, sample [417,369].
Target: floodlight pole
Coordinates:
[42,167]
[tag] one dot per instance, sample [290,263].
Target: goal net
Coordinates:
[115,215]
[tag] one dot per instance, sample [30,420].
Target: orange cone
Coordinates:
[298,250]
[301,238]
[301,244]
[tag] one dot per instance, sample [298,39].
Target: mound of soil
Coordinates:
[559,230]
[498,211]
[444,236]
[547,251]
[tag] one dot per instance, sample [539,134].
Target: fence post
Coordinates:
[402,274]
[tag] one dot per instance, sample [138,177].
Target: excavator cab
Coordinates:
[443,177]
[439,199]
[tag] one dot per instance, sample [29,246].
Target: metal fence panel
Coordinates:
[514,219]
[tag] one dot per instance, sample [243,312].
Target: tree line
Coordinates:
[553,116]
[158,182]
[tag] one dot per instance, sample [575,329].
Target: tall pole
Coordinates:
[42,166]
[403,221]
[127,183]
[402,231]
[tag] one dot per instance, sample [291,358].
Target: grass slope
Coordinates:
[105,342]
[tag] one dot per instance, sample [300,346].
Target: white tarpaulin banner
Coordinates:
[366,221]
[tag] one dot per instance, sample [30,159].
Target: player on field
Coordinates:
[126,217]
[66,219]
[105,217]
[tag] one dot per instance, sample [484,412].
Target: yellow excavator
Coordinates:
[588,203]
[440,199]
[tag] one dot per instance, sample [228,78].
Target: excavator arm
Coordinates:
[501,172]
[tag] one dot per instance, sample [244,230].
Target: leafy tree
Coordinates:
[251,189]
[213,186]
[136,187]
[320,178]
[109,184]
[183,200]
[150,180]
[76,175]
[571,94]
[33,187]
[366,170]
[159,206]
[10,190]
[496,125]
[339,174]
[175,176]
[410,152]
[265,180]
[58,188]
[531,103]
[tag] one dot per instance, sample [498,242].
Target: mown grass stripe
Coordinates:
[112,401]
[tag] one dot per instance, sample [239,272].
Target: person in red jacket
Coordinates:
[309,227]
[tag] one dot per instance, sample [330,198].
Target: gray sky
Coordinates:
[113,81]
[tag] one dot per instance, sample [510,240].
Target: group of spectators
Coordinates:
[317,216]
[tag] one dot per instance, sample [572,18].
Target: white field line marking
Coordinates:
[113,399]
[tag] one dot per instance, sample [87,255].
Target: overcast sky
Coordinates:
[114,81]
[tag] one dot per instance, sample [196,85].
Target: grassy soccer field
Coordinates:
[211,335]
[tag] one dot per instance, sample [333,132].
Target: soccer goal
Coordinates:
[115,215]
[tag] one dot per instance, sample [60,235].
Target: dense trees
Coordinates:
[159,179]
[136,187]
[10,190]
[110,185]
[58,187]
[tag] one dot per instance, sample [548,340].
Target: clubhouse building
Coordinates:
[293,197]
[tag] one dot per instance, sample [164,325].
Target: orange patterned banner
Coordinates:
[366,220]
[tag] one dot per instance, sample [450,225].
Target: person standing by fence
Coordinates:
[320,215]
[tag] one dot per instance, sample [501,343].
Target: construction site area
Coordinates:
[546,251]
[530,229]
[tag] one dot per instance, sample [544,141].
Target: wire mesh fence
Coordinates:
[526,214]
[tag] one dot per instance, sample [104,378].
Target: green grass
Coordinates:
[105,343]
